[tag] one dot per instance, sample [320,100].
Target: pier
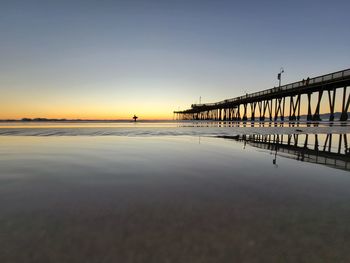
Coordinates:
[278,103]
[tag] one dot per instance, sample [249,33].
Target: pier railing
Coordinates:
[271,103]
[339,75]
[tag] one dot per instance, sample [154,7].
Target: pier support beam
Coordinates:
[309,113]
[238,113]
[298,103]
[261,111]
[345,107]
[245,112]
[252,111]
[331,99]
[316,116]
[294,107]
[279,108]
[269,106]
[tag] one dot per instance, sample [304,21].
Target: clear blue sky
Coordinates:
[111,59]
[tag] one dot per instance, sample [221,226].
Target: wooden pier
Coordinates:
[271,103]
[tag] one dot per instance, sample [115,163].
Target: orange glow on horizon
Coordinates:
[94,111]
[91,108]
[88,114]
[87,117]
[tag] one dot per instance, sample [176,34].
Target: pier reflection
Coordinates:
[262,124]
[326,149]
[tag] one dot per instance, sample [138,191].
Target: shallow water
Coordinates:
[173,199]
[168,128]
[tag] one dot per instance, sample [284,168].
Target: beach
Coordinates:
[171,197]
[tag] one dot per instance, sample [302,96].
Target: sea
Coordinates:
[174,191]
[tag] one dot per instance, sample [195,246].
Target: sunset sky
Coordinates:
[112,59]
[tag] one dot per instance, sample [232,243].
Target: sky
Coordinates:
[113,59]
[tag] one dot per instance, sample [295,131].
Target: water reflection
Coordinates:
[327,149]
[174,199]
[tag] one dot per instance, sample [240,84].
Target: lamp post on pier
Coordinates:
[279,76]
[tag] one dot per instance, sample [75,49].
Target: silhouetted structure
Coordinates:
[272,102]
[135,118]
[327,149]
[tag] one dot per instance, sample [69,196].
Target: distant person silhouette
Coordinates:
[135,118]
[307,81]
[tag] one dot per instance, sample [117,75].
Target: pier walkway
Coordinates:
[271,103]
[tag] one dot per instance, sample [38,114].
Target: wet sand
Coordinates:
[182,128]
[166,199]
